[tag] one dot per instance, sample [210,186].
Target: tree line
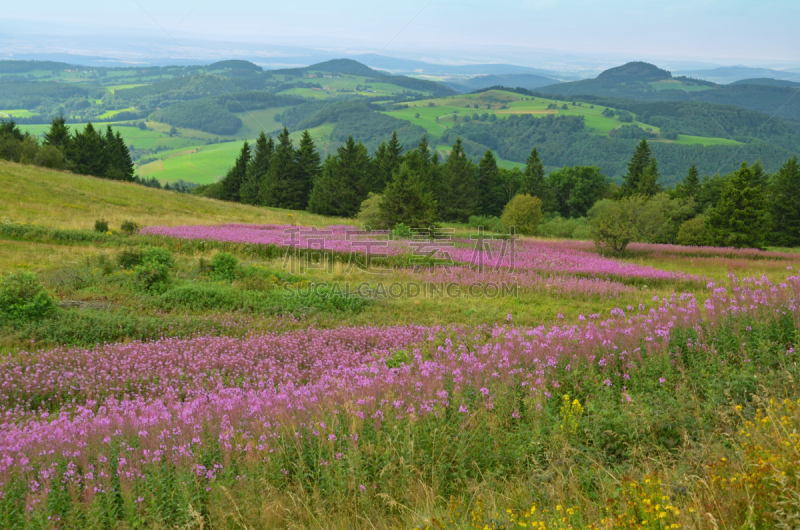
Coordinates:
[87,152]
[417,187]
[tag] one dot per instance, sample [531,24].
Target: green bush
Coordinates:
[223,267]
[23,298]
[614,224]
[152,277]
[129,227]
[488,222]
[693,232]
[129,258]
[401,231]
[523,213]
[101,226]
[370,213]
[158,255]
[575,228]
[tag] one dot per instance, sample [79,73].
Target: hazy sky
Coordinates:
[727,31]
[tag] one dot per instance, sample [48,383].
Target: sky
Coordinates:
[715,31]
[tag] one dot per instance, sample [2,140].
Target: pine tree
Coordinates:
[58,134]
[740,217]
[642,177]
[307,161]
[387,160]
[487,186]
[690,186]
[257,169]
[120,164]
[424,163]
[232,183]
[86,152]
[277,189]
[406,201]
[456,193]
[341,187]
[785,205]
[533,182]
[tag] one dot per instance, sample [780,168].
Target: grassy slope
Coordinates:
[436,119]
[57,199]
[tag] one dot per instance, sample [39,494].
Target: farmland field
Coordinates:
[258,378]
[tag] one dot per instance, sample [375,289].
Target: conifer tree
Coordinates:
[341,186]
[424,163]
[785,205]
[307,161]
[387,160]
[456,192]
[232,183]
[533,182]
[642,177]
[277,189]
[257,169]
[487,186]
[120,164]
[406,201]
[85,151]
[690,186]
[740,217]
[58,134]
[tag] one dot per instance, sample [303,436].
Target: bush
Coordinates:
[152,277]
[101,226]
[693,232]
[614,224]
[401,231]
[51,157]
[523,213]
[223,267]
[157,255]
[575,228]
[370,213]
[129,258]
[129,227]
[23,298]
[487,222]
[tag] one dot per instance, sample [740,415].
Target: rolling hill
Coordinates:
[528,81]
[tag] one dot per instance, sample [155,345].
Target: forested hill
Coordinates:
[646,82]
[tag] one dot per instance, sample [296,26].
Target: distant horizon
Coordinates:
[575,36]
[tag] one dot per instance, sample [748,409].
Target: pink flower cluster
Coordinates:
[173,396]
[529,255]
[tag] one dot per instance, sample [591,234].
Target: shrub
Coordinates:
[23,298]
[101,225]
[574,228]
[693,232]
[223,267]
[523,213]
[370,213]
[51,157]
[401,231]
[129,258]
[129,227]
[152,277]
[158,255]
[614,224]
[489,223]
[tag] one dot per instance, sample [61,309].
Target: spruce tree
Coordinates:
[456,192]
[642,176]
[277,189]
[424,163]
[533,182]
[307,162]
[257,169]
[341,187]
[387,160]
[232,183]
[58,134]
[690,186]
[85,151]
[121,166]
[487,186]
[740,217]
[785,205]
[406,201]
